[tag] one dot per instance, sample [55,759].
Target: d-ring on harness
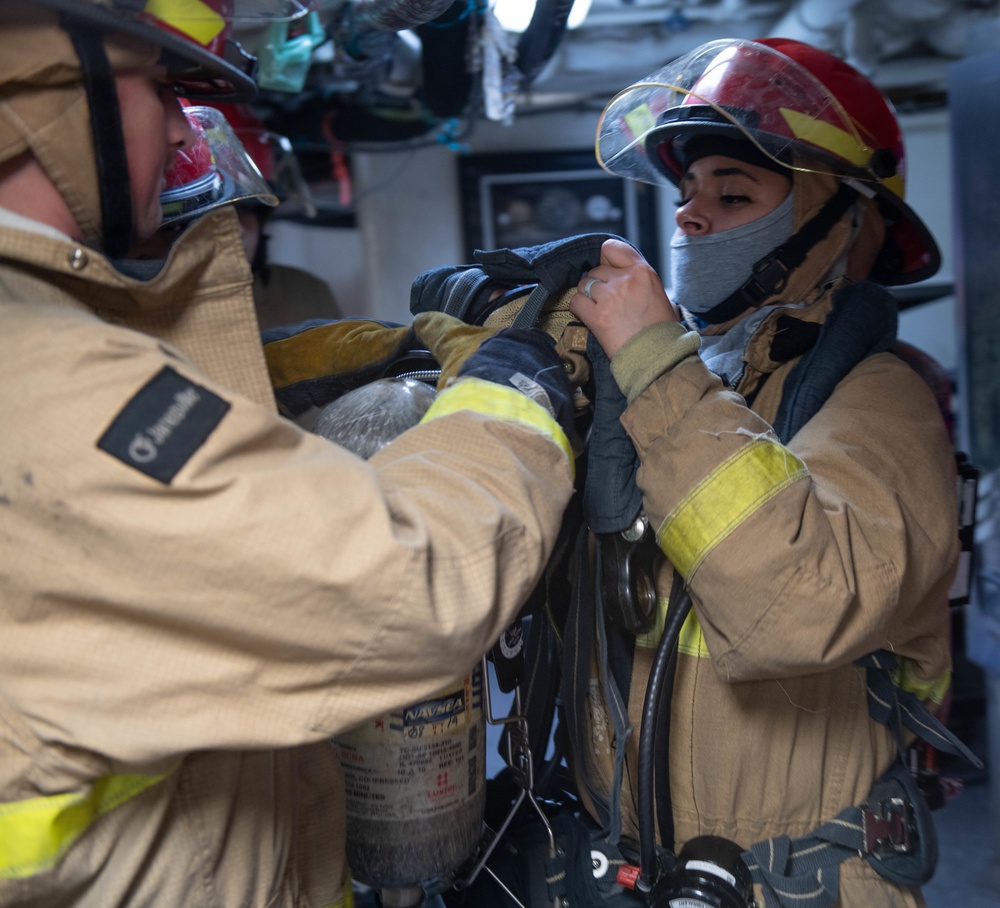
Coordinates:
[588,285]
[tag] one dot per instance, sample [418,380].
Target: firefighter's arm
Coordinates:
[313,363]
[809,554]
[255,583]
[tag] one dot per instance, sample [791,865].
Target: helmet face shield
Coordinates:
[729,87]
[215,170]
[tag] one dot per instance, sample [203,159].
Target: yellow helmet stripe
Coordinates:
[193,18]
[825,135]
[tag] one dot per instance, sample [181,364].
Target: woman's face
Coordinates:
[719,193]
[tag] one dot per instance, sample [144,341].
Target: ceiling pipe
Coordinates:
[815,22]
[724,11]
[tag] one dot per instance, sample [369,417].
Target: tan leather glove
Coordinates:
[314,365]
[450,340]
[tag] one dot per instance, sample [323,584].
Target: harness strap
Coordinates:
[862,322]
[461,289]
[108,140]
[617,708]
[585,632]
[540,685]
[895,707]
[770,274]
[530,312]
[893,831]
[611,496]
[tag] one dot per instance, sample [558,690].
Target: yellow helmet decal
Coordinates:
[640,120]
[839,141]
[825,135]
[193,18]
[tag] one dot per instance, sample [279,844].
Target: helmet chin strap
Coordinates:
[108,139]
[770,274]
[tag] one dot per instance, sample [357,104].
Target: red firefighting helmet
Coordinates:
[194,36]
[214,170]
[796,103]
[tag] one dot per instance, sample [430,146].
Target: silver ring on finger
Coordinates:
[588,285]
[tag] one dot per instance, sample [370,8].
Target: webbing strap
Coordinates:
[578,646]
[893,831]
[461,290]
[108,139]
[770,274]
[530,312]
[617,711]
[585,637]
[540,686]
[895,707]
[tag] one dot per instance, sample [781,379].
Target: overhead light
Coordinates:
[515,15]
[578,13]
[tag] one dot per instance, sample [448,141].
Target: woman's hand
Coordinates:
[625,296]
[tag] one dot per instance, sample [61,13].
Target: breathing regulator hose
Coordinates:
[661,671]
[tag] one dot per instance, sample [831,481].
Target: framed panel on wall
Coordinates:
[529,198]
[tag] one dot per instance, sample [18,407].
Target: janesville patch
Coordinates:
[163,425]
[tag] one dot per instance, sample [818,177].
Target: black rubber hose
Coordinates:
[542,36]
[677,610]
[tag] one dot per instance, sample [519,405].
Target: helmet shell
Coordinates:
[803,107]
[195,37]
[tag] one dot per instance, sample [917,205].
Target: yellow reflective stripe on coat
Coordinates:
[36,833]
[691,640]
[499,402]
[906,679]
[727,497]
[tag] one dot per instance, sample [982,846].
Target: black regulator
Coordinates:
[709,873]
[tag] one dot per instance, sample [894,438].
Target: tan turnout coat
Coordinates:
[175,654]
[847,546]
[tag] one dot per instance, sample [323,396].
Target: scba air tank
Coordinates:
[415,778]
[415,783]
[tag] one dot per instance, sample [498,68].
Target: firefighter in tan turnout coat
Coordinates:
[195,595]
[807,548]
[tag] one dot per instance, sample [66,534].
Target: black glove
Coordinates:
[526,359]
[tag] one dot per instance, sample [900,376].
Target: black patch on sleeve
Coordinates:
[163,425]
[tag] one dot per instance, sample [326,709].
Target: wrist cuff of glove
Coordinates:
[651,353]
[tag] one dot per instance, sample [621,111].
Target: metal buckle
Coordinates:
[769,276]
[890,830]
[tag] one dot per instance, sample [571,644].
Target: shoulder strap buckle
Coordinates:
[769,277]
[889,827]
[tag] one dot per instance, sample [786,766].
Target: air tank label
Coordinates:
[449,710]
[420,761]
